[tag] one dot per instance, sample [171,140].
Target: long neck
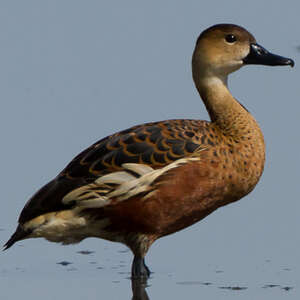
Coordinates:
[226,112]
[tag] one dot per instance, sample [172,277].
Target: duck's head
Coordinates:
[224,48]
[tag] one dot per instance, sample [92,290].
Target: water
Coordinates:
[38,269]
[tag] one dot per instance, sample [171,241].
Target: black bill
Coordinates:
[258,55]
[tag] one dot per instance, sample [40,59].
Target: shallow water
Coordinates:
[40,269]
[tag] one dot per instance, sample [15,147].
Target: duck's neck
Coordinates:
[226,112]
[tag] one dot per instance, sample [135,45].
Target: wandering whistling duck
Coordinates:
[154,179]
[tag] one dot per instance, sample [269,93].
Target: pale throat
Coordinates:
[223,109]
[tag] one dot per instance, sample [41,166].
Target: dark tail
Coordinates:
[19,234]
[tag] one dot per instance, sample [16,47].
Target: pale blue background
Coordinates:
[72,72]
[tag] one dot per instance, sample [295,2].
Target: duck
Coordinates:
[155,179]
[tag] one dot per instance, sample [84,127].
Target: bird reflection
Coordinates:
[139,289]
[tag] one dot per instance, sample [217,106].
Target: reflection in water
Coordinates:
[64,263]
[138,289]
[233,288]
[85,252]
[193,283]
[270,286]
[286,288]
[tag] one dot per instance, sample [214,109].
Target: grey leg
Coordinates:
[139,269]
[139,289]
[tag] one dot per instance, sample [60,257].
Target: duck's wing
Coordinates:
[115,160]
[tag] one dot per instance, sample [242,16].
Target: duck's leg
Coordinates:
[139,289]
[139,245]
[139,268]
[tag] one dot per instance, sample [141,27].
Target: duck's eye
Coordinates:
[230,38]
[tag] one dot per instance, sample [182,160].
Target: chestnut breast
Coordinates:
[224,173]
